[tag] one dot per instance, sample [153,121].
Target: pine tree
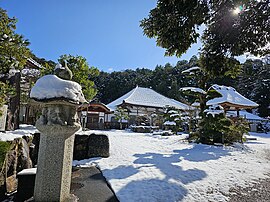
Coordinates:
[175,26]
[120,115]
[254,83]
[13,57]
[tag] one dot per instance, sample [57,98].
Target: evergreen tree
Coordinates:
[254,83]
[175,26]
[214,126]
[164,79]
[262,91]
[13,47]
[173,118]
[120,115]
[13,57]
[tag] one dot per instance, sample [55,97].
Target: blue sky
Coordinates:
[106,32]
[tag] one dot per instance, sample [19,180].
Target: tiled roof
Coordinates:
[231,96]
[146,97]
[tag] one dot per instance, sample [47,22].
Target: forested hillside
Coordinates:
[253,82]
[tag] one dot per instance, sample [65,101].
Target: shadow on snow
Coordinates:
[201,152]
[151,190]
[169,184]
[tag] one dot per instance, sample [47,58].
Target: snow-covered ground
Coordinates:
[24,130]
[145,167]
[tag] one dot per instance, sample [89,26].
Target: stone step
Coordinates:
[87,184]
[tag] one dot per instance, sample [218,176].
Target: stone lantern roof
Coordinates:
[54,88]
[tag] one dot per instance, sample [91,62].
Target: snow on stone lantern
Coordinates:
[58,123]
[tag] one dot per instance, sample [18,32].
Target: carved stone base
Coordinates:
[57,126]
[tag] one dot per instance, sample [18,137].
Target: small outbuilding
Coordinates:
[230,99]
[94,115]
[234,105]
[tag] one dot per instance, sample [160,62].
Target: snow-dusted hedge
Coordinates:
[144,129]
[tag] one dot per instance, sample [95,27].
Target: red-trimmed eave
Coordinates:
[95,107]
[237,106]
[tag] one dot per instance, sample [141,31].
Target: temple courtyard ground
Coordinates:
[147,167]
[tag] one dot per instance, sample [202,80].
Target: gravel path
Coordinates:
[258,192]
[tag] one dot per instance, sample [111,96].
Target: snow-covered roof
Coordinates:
[35,63]
[245,115]
[230,96]
[146,97]
[51,86]
[193,89]
[190,70]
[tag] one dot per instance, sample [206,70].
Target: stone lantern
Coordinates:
[59,98]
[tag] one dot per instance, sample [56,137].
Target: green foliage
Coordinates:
[194,137]
[237,33]
[217,64]
[166,80]
[211,94]
[213,128]
[121,114]
[48,68]
[238,128]
[4,89]
[4,148]
[175,24]
[82,73]
[13,53]
[127,80]
[172,114]
[220,129]
[254,83]
[13,47]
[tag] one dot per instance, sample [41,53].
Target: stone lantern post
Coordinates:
[57,124]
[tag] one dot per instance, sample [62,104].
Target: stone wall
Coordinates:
[85,146]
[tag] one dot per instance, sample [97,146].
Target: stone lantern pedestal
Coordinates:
[57,124]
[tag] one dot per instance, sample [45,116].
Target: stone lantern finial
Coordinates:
[63,72]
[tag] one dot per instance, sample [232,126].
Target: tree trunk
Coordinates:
[14,103]
[121,127]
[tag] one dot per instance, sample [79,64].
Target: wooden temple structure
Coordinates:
[94,115]
[230,99]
